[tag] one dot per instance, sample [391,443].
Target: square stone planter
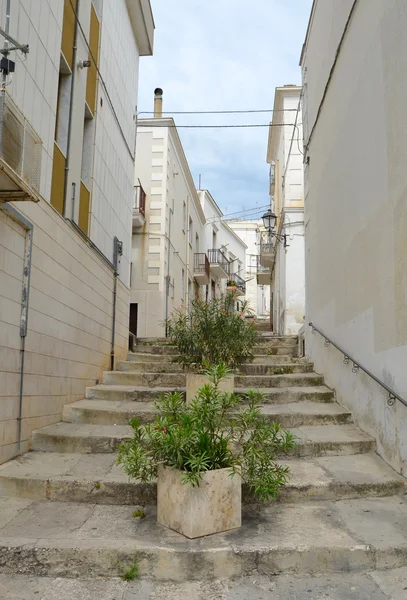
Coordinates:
[214,506]
[194,381]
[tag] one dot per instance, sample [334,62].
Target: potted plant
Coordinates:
[212,332]
[201,453]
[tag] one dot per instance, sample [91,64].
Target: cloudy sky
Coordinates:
[225,55]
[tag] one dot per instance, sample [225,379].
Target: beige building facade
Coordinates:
[355,95]
[285,259]
[67,158]
[182,250]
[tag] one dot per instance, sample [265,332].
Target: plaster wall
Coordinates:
[165,246]
[356,210]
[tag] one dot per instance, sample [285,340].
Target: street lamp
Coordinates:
[269,222]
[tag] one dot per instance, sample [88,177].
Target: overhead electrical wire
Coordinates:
[146,125]
[217,112]
[239,212]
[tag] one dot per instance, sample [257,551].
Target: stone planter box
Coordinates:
[214,506]
[195,381]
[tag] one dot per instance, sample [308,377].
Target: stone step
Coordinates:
[246,369]
[260,350]
[272,340]
[276,369]
[371,585]
[151,380]
[96,478]
[318,440]
[117,393]
[144,366]
[106,412]
[86,540]
[179,379]
[265,359]
[278,381]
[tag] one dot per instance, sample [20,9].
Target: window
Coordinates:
[184,217]
[213,240]
[191,227]
[197,243]
[182,284]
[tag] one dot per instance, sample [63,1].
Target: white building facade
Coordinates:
[257,278]
[284,255]
[168,231]
[67,158]
[355,93]
[181,249]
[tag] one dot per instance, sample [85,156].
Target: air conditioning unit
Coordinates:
[20,154]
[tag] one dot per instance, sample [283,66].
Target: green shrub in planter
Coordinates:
[216,431]
[212,332]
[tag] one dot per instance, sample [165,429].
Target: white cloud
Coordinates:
[224,54]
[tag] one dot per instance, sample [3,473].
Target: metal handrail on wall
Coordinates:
[393,396]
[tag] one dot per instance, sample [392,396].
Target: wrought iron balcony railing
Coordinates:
[139,200]
[201,264]
[217,257]
[238,282]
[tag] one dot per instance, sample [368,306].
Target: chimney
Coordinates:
[158,103]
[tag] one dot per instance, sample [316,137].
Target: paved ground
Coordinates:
[385,585]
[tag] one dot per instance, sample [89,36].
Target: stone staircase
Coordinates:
[66,508]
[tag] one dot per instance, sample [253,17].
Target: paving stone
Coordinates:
[376,585]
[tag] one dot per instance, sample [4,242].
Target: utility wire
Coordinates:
[239,212]
[141,124]
[217,112]
[102,81]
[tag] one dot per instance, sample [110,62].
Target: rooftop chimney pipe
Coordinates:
[158,103]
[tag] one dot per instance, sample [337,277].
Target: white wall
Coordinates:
[157,252]
[258,296]
[356,211]
[285,150]
[226,240]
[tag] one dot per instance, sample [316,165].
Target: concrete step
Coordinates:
[278,381]
[86,540]
[179,379]
[159,366]
[319,440]
[283,395]
[372,585]
[245,369]
[154,350]
[153,379]
[266,359]
[276,369]
[260,350]
[272,340]
[96,478]
[106,412]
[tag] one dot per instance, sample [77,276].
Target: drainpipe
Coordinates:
[68,139]
[29,227]
[117,252]
[167,295]
[187,261]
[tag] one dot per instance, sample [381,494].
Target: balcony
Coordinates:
[139,207]
[201,269]
[219,264]
[263,274]
[236,284]
[20,155]
[267,252]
